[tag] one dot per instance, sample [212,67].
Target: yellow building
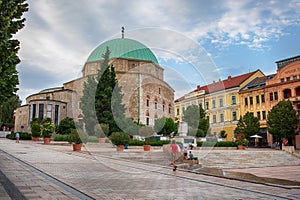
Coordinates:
[221,101]
[253,100]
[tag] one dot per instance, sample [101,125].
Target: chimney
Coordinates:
[198,87]
[229,78]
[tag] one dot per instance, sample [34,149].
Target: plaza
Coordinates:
[54,171]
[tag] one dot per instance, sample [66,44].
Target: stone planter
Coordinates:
[241,147]
[102,140]
[120,148]
[35,138]
[47,140]
[77,147]
[147,147]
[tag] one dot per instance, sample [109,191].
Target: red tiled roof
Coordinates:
[230,82]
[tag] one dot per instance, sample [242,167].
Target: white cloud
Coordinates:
[60,34]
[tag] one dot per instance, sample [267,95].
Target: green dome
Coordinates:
[123,48]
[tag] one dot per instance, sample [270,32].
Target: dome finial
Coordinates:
[123,31]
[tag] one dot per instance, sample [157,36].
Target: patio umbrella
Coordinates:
[256,136]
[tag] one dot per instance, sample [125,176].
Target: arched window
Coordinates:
[287,93]
[297,91]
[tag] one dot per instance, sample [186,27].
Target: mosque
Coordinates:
[146,95]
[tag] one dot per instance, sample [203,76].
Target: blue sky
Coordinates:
[195,41]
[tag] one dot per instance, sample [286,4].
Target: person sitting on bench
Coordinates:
[191,156]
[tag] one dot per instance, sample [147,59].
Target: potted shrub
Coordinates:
[147,145]
[77,137]
[146,132]
[241,141]
[101,132]
[47,130]
[35,131]
[120,139]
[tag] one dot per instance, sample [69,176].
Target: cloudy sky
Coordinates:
[195,41]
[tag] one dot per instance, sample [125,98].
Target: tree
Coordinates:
[7,110]
[282,121]
[108,97]
[11,22]
[223,134]
[66,125]
[198,124]
[248,125]
[165,126]
[87,105]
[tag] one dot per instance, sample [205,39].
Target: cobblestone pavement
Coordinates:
[100,176]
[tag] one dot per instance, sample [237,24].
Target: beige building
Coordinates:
[146,95]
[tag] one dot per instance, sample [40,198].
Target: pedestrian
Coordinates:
[174,152]
[191,156]
[191,146]
[17,137]
[185,153]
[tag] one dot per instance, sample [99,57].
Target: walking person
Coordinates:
[17,137]
[174,149]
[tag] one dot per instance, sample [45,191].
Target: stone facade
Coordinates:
[146,96]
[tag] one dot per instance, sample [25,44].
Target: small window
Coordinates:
[214,118]
[288,78]
[147,121]
[159,90]
[206,105]
[275,95]
[163,107]
[295,77]
[177,111]
[251,100]
[155,105]
[271,96]
[246,101]
[282,80]
[221,102]
[233,98]
[234,115]
[263,114]
[221,117]
[257,99]
[147,102]
[213,103]
[262,98]
[258,115]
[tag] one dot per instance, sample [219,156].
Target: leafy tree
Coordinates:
[223,134]
[66,125]
[282,121]
[203,126]
[198,124]
[87,105]
[165,126]
[7,110]
[108,97]
[248,125]
[11,22]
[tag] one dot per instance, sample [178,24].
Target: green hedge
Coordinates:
[217,144]
[159,142]
[93,139]
[152,143]
[136,143]
[61,137]
[23,136]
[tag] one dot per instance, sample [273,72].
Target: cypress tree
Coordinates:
[108,98]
